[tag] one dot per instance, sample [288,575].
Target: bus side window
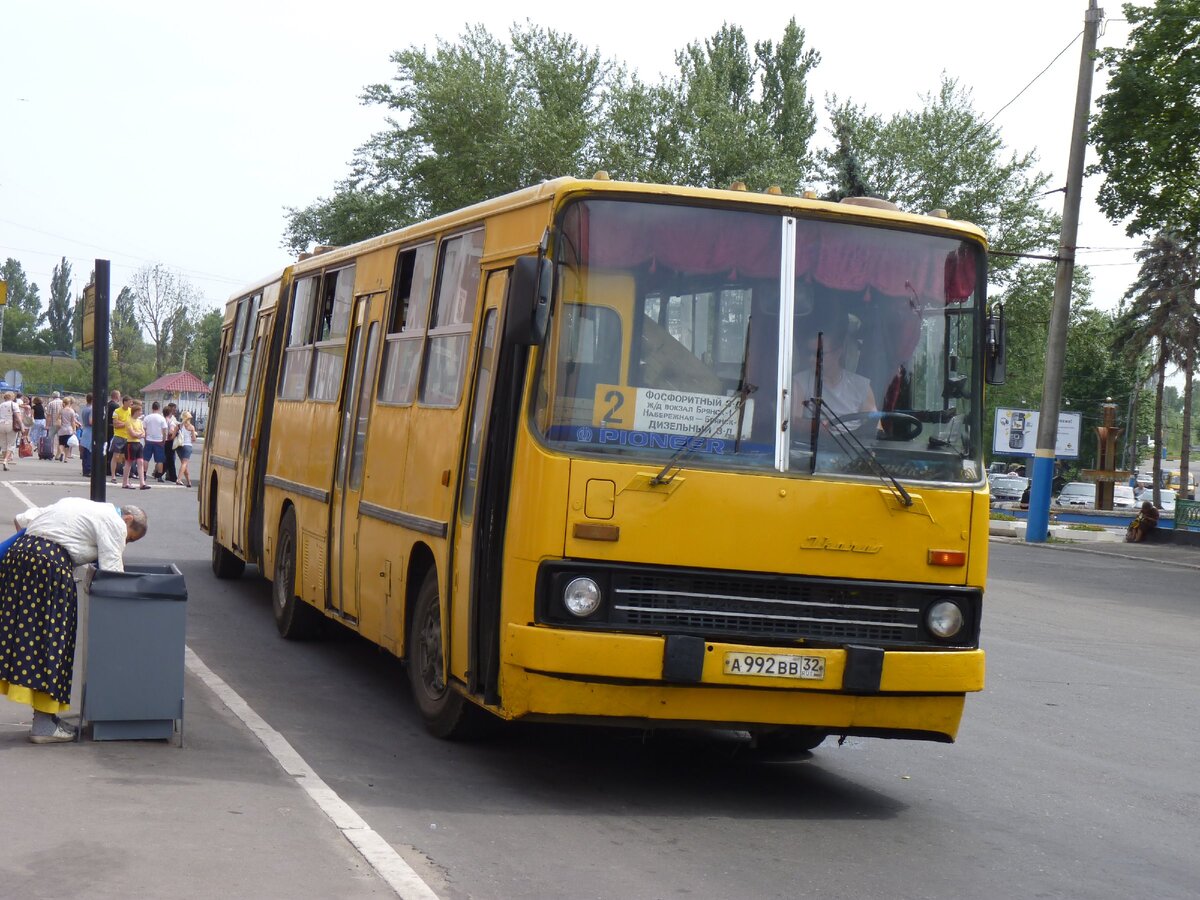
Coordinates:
[453,313]
[406,325]
[298,354]
[332,324]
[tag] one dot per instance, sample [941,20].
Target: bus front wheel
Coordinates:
[294,618]
[447,713]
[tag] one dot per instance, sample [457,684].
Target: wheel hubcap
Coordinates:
[284,578]
[431,654]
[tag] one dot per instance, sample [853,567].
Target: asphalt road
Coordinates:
[1074,774]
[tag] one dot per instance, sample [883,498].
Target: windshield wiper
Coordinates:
[849,442]
[721,417]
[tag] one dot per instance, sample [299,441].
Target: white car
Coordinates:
[1166,498]
[1123,497]
[1077,493]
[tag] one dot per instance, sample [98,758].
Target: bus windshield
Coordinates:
[757,341]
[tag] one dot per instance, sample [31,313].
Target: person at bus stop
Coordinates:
[10,428]
[38,431]
[68,421]
[156,437]
[843,393]
[53,418]
[118,425]
[134,449]
[187,437]
[38,600]
[170,413]
[85,435]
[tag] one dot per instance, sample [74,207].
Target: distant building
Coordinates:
[183,388]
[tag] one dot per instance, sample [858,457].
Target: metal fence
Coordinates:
[1187,515]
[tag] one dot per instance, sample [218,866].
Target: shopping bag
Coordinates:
[25,448]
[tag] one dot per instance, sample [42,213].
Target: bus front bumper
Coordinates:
[596,675]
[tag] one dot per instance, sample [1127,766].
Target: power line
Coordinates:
[1017,96]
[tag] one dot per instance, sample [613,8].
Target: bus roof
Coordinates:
[855,209]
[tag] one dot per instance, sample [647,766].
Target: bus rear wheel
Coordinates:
[294,618]
[447,713]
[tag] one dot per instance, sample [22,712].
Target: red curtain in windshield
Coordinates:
[691,240]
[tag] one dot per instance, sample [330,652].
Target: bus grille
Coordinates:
[781,609]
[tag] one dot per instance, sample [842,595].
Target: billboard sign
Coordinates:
[1016,430]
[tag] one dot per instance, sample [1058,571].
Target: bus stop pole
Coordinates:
[1037,529]
[100,340]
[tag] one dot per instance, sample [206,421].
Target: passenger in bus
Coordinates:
[39,602]
[844,393]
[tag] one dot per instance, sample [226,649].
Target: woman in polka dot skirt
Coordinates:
[38,601]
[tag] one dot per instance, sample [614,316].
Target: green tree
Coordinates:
[1161,318]
[208,344]
[944,156]
[475,119]
[161,304]
[1147,129]
[128,347]
[22,312]
[738,118]
[479,118]
[58,334]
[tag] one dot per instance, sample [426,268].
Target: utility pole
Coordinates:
[1060,313]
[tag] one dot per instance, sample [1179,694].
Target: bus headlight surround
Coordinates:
[945,619]
[582,597]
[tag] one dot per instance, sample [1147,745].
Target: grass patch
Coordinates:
[1080,526]
[1002,517]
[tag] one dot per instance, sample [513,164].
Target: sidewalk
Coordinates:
[218,816]
[1169,554]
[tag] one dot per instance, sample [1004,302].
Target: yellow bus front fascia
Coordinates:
[725,521]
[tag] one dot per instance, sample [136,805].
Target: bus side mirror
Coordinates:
[528,301]
[995,345]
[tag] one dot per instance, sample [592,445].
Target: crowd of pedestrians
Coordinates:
[139,447]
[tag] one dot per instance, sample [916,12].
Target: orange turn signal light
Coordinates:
[947,557]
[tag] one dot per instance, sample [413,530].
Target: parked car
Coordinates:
[1077,493]
[1008,489]
[1123,497]
[1166,498]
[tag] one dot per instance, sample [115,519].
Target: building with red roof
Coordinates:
[184,389]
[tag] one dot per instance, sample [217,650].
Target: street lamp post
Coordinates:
[61,354]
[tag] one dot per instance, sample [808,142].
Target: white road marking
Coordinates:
[28,503]
[378,853]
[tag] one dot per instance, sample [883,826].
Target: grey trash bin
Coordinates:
[133,675]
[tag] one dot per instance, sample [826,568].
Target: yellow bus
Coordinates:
[626,453]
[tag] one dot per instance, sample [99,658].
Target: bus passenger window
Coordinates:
[299,349]
[453,312]
[333,321]
[406,325]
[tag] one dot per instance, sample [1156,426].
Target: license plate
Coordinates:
[775,665]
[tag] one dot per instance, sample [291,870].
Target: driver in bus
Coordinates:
[844,393]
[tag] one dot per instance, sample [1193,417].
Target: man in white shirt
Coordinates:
[39,602]
[156,436]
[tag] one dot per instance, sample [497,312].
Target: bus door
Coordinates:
[245,496]
[362,352]
[474,608]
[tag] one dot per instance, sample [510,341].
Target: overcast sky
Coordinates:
[177,133]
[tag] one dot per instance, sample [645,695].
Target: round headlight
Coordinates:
[944,619]
[582,597]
